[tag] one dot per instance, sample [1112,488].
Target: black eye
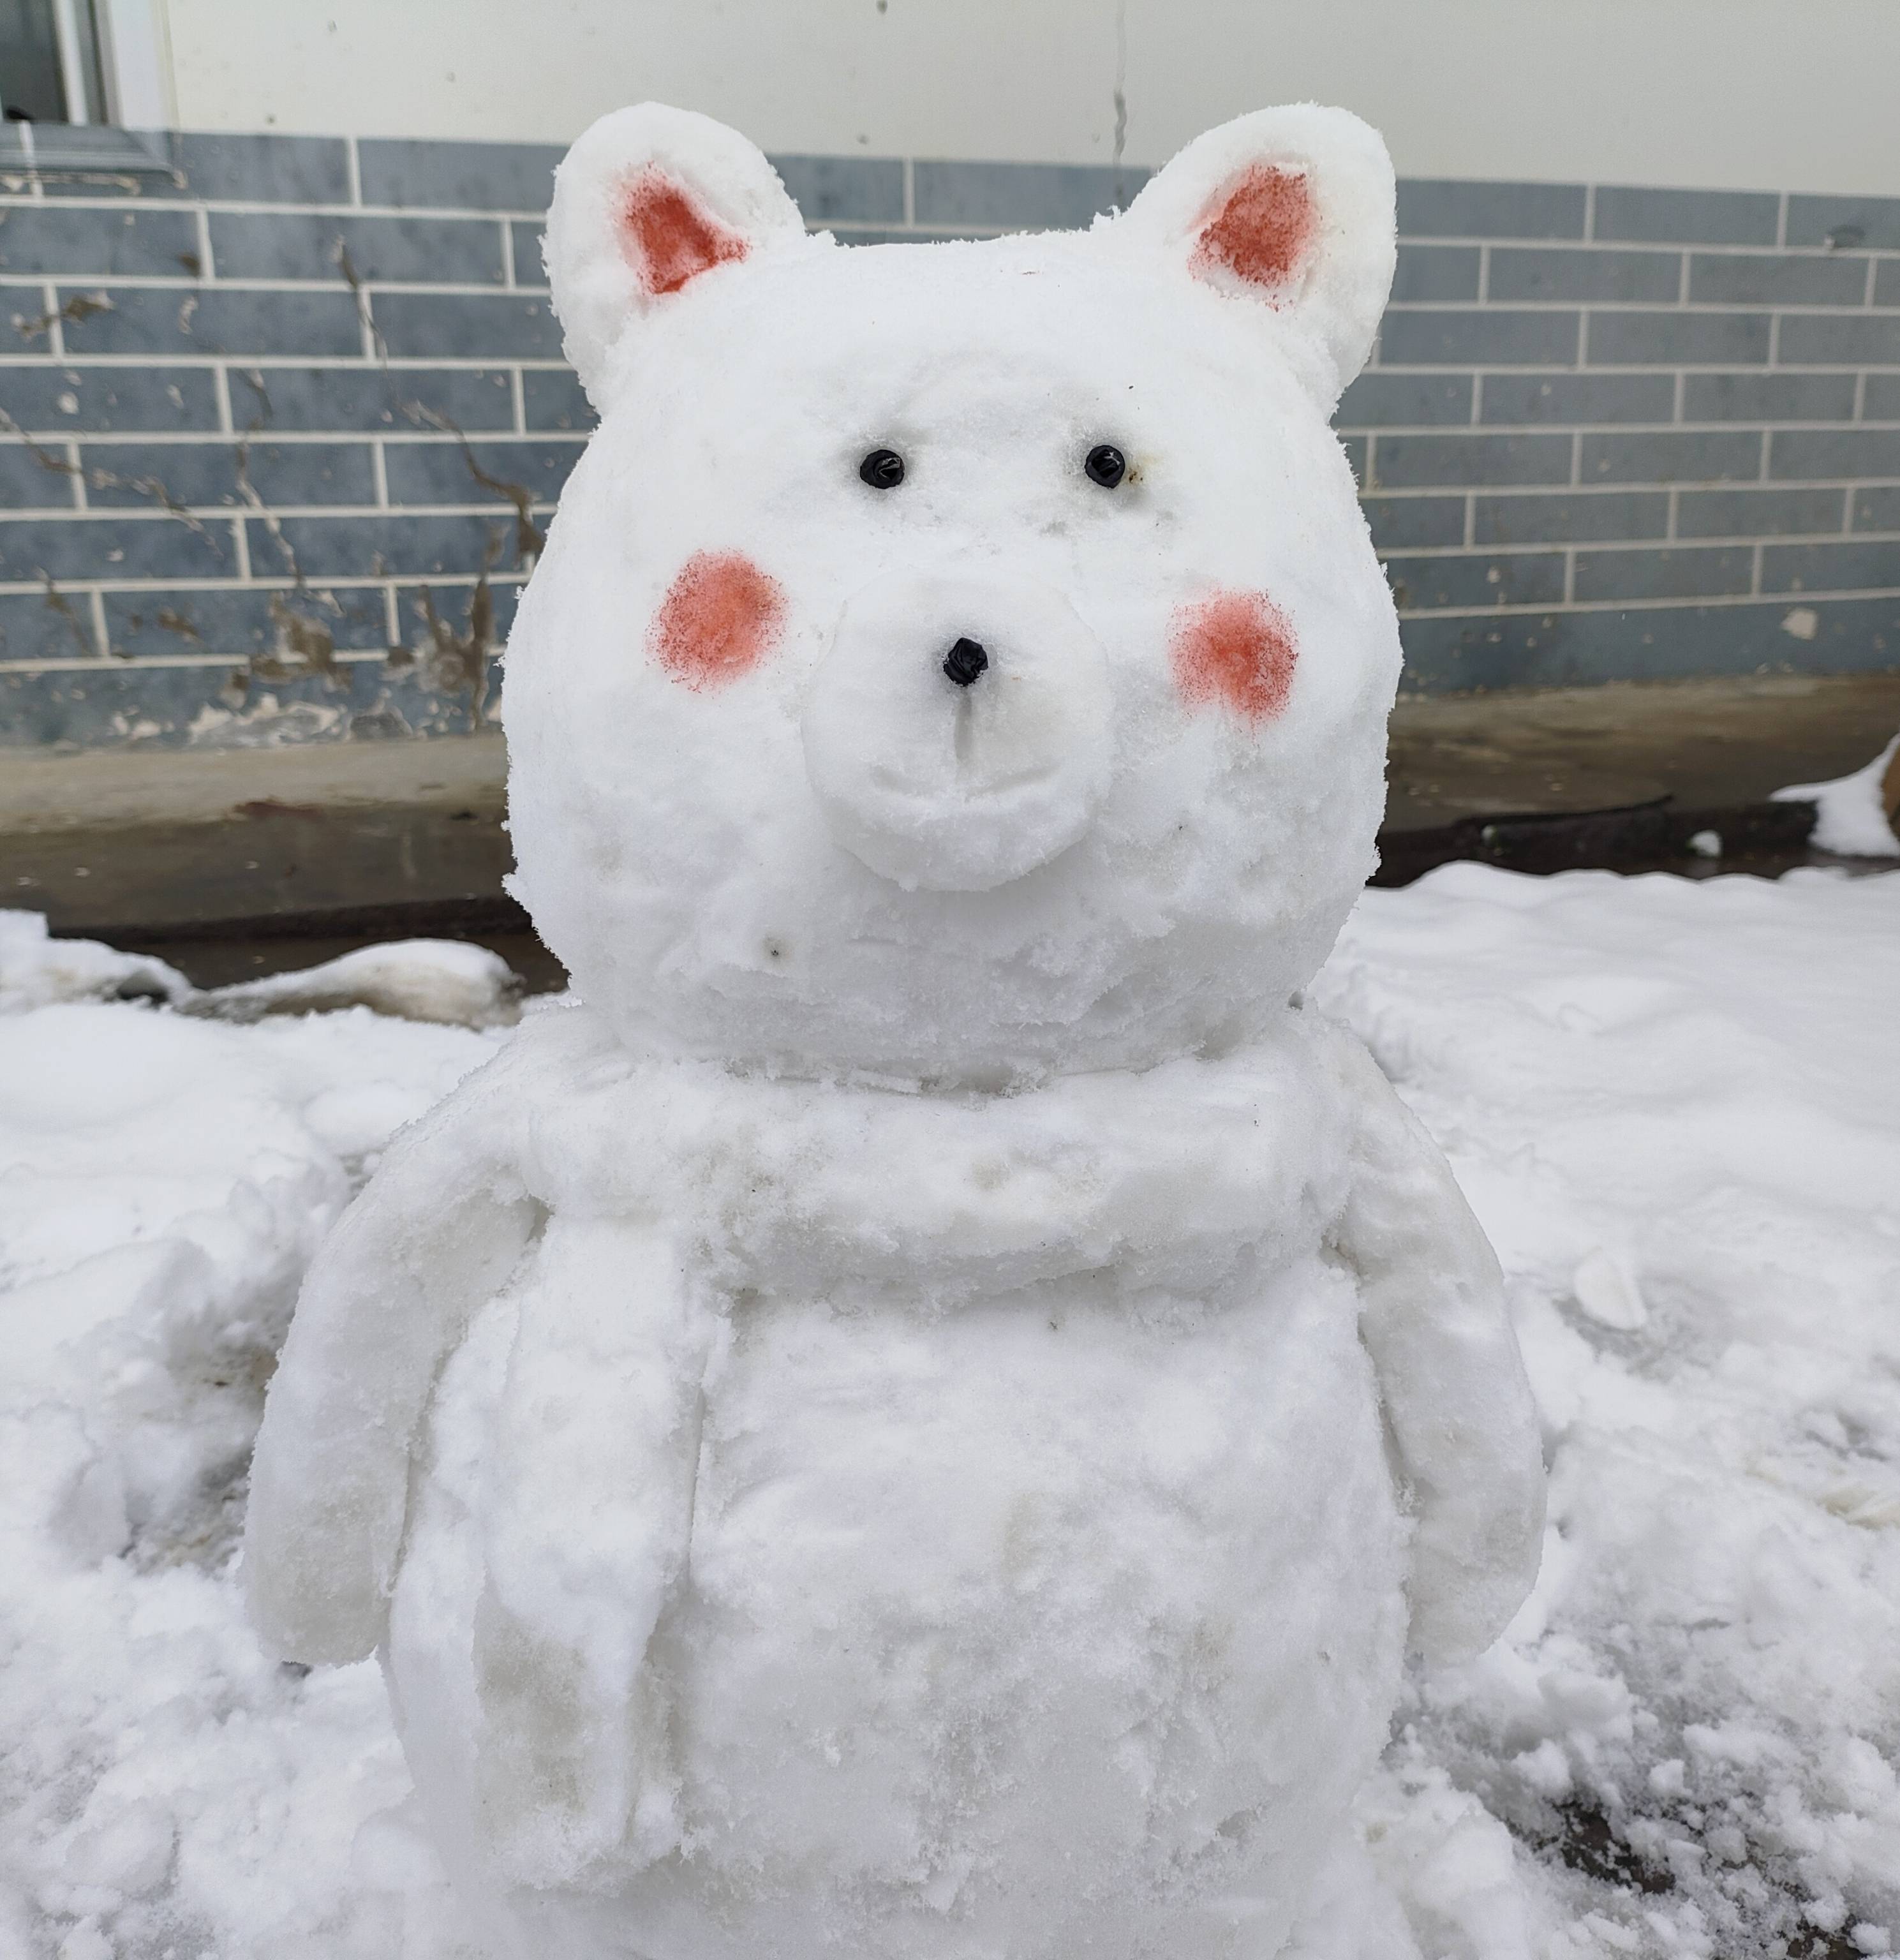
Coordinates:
[883,469]
[1106,465]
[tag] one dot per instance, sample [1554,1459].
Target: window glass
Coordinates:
[30,87]
[50,68]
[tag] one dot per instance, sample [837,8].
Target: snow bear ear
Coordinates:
[1290,210]
[650,199]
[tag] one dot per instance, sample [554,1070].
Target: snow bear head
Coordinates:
[960,662]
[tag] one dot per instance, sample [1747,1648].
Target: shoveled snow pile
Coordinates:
[1673,1104]
[414,979]
[1675,1107]
[164,1788]
[1851,813]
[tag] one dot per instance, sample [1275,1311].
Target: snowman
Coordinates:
[918,1412]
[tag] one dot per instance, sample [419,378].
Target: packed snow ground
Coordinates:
[1676,1106]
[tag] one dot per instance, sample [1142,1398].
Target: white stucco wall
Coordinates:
[1765,94]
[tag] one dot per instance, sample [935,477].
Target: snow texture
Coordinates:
[1669,1103]
[1850,815]
[919,1416]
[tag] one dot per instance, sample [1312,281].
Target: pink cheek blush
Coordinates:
[721,616]
[1235,649]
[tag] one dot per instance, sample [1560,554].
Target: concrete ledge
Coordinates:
[347,842]
[1705,743]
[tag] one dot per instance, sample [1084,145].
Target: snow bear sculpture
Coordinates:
[912,1416]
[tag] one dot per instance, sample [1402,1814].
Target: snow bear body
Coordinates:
[914,1414]
[1011,1627]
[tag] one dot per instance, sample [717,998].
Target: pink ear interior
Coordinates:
[666,237]
[1262,228]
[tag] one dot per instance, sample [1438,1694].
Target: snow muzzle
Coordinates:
[959,734]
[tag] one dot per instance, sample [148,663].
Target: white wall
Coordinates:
[1764,94]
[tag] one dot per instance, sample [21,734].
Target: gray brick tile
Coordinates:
[1562,520]
[551,399]
[234,620]
[1753,513]
[457,176]
[1638,643]
[1840,340]
[73,547]
[439,472]
[1019,197]
[1700,573]
[1845,222]
[305,245]
[50,400]
[1768,398]
[827,190]
[1481,337]
[39,626]
[531,270]
[1420,462]
[1877,510]
[1810,454]
[1443,208]
[162,320]
[1577,398]
[1436,272]
[479,326]
[13,144]
[137,475]
[1642,215]
[1677,339]
[1688,455]
[370,398]
[1404,401]
[1750,278]
[1882,402]
[34,477]
[264,169]
[384,544]
[1414,523]
[1478,579]
[98,243]
[1886,283]
[1584,272]
[1872,566]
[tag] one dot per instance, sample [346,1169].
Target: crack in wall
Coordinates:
[1120,92]
[81,306]
[530,541]
[454,659]
[58,602]
[457,662]
[272,522]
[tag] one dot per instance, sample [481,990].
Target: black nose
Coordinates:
[965,662]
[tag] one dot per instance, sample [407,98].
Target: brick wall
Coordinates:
[283,418]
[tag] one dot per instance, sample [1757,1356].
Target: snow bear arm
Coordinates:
[434,1234]
[585,1518]
[1452,1382]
